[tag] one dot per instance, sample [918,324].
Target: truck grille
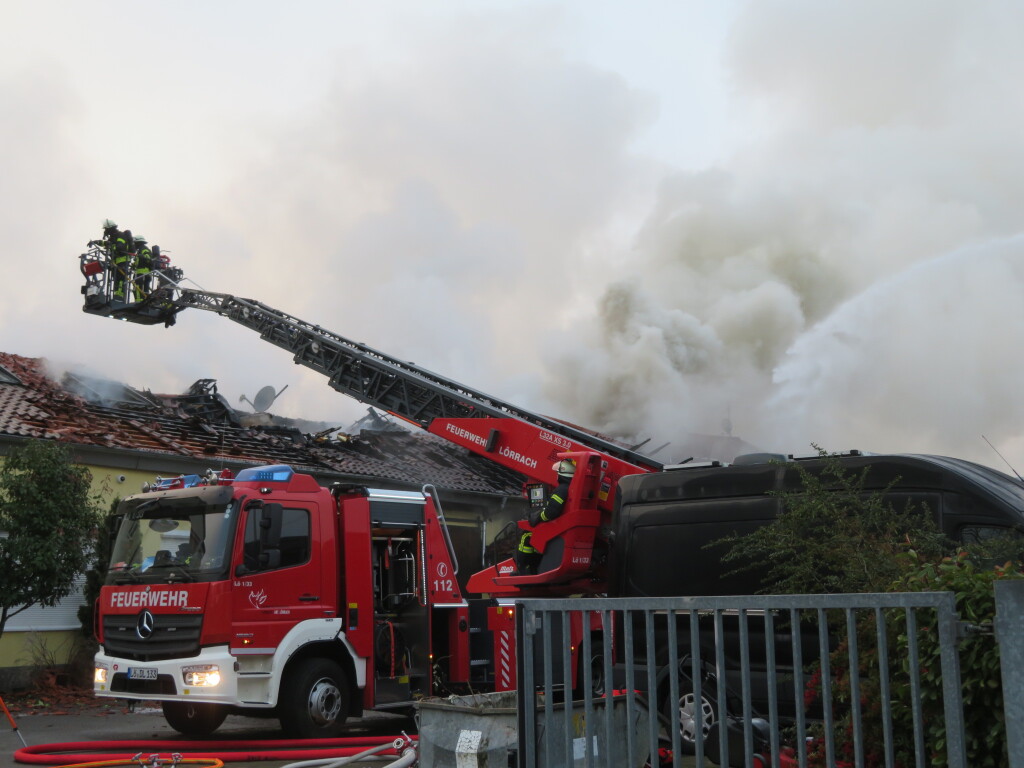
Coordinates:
[172,636]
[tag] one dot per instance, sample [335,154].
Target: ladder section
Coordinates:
[401,388]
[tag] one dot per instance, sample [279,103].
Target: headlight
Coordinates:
[99,675]
[201,675]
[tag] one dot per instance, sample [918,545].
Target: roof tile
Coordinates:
[201,426]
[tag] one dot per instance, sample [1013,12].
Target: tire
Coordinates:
[314,700]
[191,718]
[597,674]
[688,713]
[596,670]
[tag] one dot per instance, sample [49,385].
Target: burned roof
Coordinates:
[6,377]
[199,424]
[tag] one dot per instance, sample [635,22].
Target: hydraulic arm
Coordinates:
[370,376]
[516,438]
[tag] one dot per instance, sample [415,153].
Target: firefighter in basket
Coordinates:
[121,255]
[115,245]
[110,235]
[143,266]
[528,558]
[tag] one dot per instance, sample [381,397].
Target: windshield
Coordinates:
[167,539]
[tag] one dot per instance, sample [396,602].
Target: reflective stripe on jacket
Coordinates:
[524,544]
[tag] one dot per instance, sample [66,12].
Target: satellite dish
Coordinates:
[264,398]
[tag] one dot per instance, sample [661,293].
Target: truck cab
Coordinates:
[271,595]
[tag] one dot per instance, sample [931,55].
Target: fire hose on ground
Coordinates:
[407,758]
[326,753]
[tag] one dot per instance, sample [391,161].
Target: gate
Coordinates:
[756,681]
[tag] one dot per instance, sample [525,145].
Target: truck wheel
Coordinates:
[314,700]
[191,718]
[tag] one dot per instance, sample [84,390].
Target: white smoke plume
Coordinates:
[851,278]
[458,190]
[418,194]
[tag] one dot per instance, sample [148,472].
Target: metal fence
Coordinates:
[1009,632]
[758,681]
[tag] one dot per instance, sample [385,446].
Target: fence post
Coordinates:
[526,627]
[1009,627]
[952,683]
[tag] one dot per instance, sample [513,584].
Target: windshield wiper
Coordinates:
[179,568]
[126,577]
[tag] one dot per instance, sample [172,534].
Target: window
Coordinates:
[62,616]
[992,545]
[667,550]
[294,546]
[979,534]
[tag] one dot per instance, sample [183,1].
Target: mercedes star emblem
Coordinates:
[145,626]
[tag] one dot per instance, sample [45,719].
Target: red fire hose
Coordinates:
[228,751]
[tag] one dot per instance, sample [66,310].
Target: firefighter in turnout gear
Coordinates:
[110,234]
[116,249]
[121,260]
[528,558]
[143,266]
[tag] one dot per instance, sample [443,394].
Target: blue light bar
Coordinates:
[275,473]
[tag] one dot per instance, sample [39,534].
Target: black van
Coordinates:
[669,517]
[665,520]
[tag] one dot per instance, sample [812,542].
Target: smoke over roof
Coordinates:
[853,276]
[467,190]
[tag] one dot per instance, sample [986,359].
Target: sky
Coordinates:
[798,222]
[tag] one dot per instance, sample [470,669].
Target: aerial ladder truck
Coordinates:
[513,437]
[671,518]
[258,531]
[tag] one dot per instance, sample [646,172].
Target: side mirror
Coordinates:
[270,527]
[270,559]
[263,553]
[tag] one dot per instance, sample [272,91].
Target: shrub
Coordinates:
[50,517]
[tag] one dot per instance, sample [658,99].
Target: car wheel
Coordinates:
[689,712]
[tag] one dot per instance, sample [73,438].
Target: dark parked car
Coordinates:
[666,520]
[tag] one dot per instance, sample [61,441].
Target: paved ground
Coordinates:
[75,718]
[147,724]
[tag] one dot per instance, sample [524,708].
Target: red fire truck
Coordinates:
[267,594]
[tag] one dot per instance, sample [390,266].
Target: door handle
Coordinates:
[309,598]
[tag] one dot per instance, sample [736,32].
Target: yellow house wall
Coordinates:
[109,485]
[25,652]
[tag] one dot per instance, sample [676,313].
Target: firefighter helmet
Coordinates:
[140,240]
[565,467]
[109,224]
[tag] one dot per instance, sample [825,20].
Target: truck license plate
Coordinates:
[141,673]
